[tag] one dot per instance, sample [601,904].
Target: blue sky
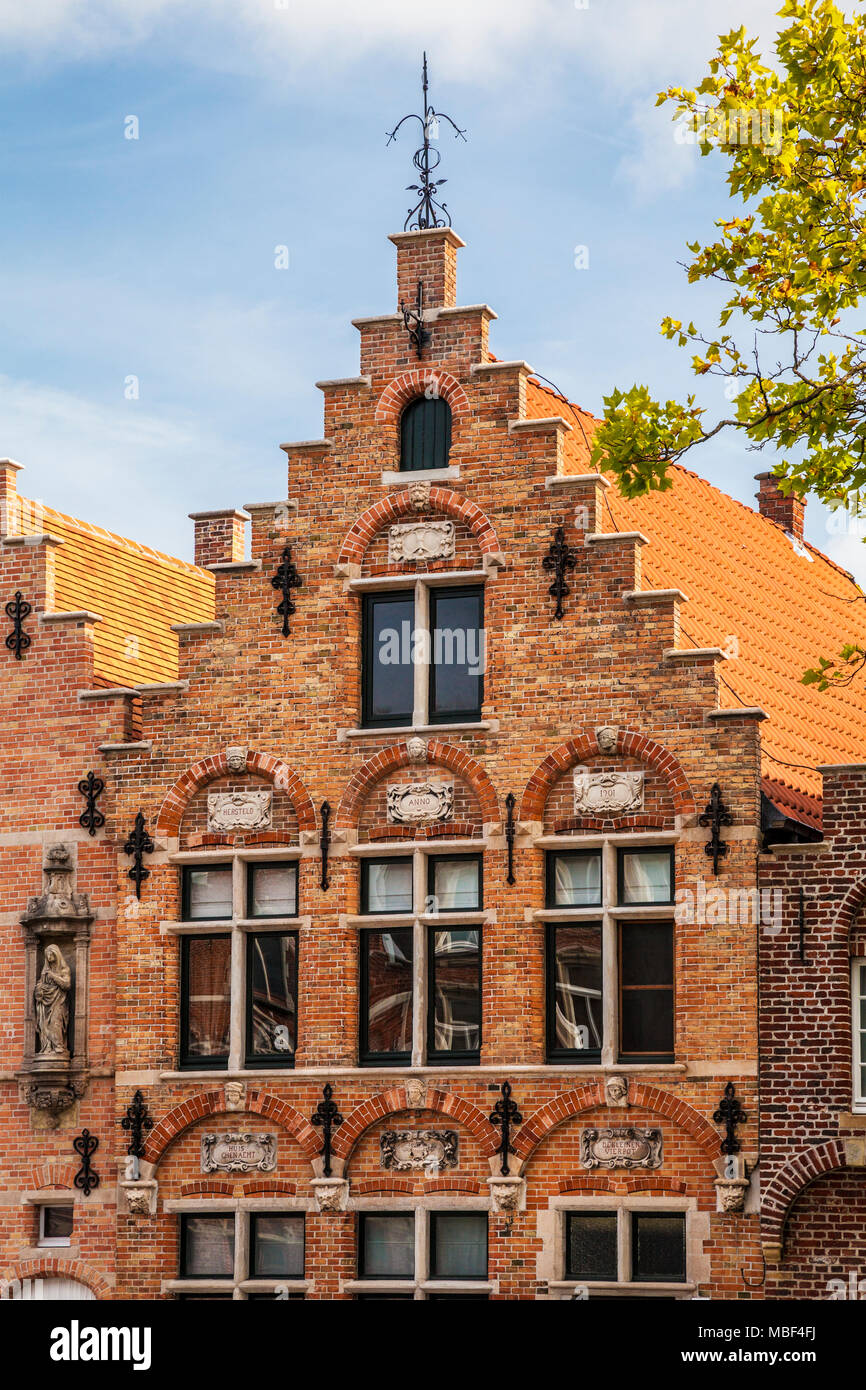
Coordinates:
[262,123]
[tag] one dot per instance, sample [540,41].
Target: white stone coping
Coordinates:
[485,918]
[192,629]
[226,924]
[841,767]
[369,320]
[803,847]
[392,478]
[234,566]
[427,234]
[219,514]
[645,597]
[451,311]
[143,746]
[253,853]
[629,912]
[299,445]
[81,615]
[743,712]
[577,480]
[516,366]
[440,578]
[611,537]
[383,849]
[695,654]
[338,381]
[44,538]
[162,687]
[484,726]
[111,692]
[271,506]
[11,463]
[547,422]
[600,837]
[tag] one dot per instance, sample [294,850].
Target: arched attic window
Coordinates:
[425,434]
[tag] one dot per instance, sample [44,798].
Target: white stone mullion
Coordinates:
[422,657]
[238,968]
[609,953]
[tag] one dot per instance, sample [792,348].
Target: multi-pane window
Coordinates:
[240,1254]
[420,1249]
[610,1247]
[610,954]
[423,656]
[858,1010]
[239,981]
[425,434]
[412,1015]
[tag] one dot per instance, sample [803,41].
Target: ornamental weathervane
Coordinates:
[426,211]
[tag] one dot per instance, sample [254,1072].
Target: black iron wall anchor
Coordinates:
[138,845]
[19,609]
[285,580]
[85,1145]
[715,816]
[560,558]
[504,1115]
[413,321]
[327,1116]
[426,160]
[325,843]
[136,1121]
[91,788]
[510,831]
[730,1114]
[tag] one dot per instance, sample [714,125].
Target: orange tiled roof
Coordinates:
[750,590]
[137,592]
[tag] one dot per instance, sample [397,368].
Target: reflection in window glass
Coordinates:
[207,998]
[457,654]
[455,992]
[272,987]
[389,671]
[575,1008]
[387,987]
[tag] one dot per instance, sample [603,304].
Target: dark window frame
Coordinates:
[468,1056]
[433,859]
[187,870]
[283,1060]
[622,851]
[404,718]
[634,1058]
[283,1215]
[365,886]
[186,1216]
[480,1278]
[361,1250]
[186,1062]
[458,716]
[554,1053]
[581,1214]
[250,869]
[429,406]
[551,857]
[636,1278]
[366,1058]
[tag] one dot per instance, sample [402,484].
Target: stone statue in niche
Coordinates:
[51,996]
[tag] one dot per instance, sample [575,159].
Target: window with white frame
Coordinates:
[239,961]
[422,654]
[624,1246]
[858,1012]
[420,957]
[423,1253]
[55,1224]
[252,1251]
[610,952]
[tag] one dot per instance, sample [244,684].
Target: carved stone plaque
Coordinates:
[239,810]
[238,1153]
[404,1150]
[410,802]
[621,1148]
[607,793]
[421,540]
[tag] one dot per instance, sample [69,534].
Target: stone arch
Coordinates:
[205,1103]
[629,744]
[404,388]
[457,760]
[786,1186]
[396,1099]
[208,769]
[55,1267]
[571,1103]
[398,504]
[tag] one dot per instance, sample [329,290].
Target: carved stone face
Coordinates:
[616,1091]
[235,1095]
[58,857]
[417,750]
[606,738]
[138,1203]
[416,1092]
[236,759]
[419,497]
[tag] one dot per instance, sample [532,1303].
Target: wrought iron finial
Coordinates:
[91,788]
[136,1120]
[85,1145]
[429,211]
[730,1114]
[560,557]
[19,609]
[286,579]
[328,1117]
[138,845]
[715,816]
[505,1114]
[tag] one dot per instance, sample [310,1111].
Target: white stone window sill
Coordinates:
[396,1074]
[434,578]
[228,1285]
[568,1287]
[483,726]
[409,1286]
[403,478]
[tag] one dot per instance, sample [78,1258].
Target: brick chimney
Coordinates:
[790,511]
[430,256]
